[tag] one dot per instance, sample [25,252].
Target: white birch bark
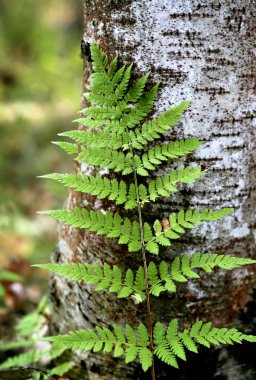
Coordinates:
[200,50]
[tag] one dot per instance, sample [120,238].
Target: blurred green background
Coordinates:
[40,93]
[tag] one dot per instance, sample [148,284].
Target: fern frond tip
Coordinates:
[48,176]
[47,212]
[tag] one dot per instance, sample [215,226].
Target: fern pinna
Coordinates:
[117,139]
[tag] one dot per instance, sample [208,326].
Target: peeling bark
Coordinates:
[201,50]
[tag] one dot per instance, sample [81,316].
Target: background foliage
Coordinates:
[40,86]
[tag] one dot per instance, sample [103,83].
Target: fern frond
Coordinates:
[55,351]
[175,226]
[61,369]
[30,324]
[5,346]
[115,160]
[162,349]
[102,223]
[205,335]
[103,88]
[174,341]
[138,138]
[118,111]
[129,285]
[103,187]
[117,118]
[170,344]
[153,129]
[108,88]
[131,350]
[106,113]
[121,116]
[122,87]
[163,186]
[208,262]
[99,58]
[87,122]
[142,108]
[161,278]
[32,356]
[181,269]
[101,139]
[154,281]
[120,162]
[128,342]
[136,90]
[155,156]
[22,360]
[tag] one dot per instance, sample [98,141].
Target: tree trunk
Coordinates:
[200,50]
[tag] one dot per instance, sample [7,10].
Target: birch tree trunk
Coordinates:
[200,50]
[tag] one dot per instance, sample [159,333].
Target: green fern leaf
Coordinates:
[97,221]
[116,281]
[136,90]
[199,333]
[115,160]
[104,339]
[103,279]
[147,232]
[164,353]
[140,279]
[166,277]
[176,271]
[29,324]
[165,185]
[152,247]
[178,222]
[67,147]
[131,353]
[142,108]
[173,150]
[146,358]
[161,279]
[99,58]
[154,281]
[122,87]
[124,292]
[174,341]
[60,369]
[101,139]
[186,267]
[21,360]
[208,262]
[162,349]
[5,346]
[32,356]
[143,337]
[158,126]
[188,342]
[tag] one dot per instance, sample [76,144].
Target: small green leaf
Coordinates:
[146,358]
[152,247]
[134,246]
[9,276]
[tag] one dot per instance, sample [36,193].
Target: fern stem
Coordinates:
[143,251]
